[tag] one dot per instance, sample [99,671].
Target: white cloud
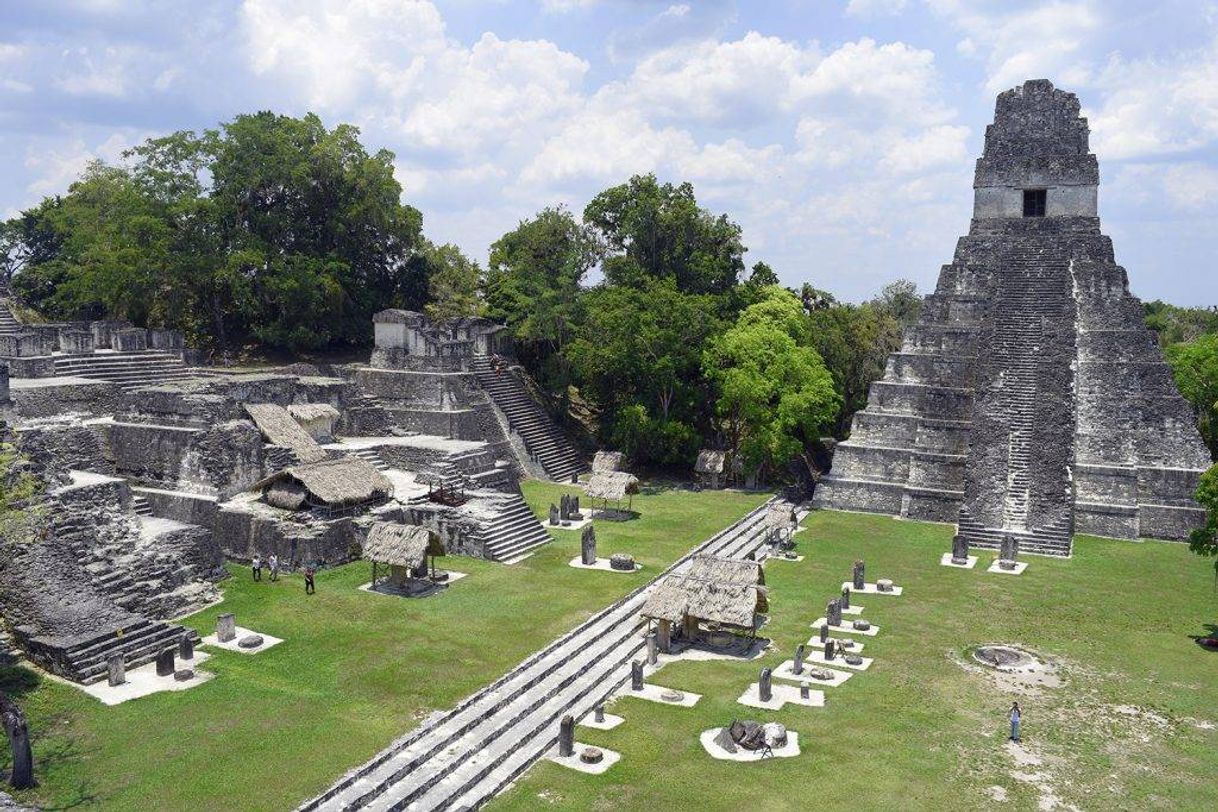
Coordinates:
[874,8]
[56,164]
[563,6]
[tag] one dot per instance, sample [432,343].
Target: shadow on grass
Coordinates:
[1209,640]
[54,755]
[17,680]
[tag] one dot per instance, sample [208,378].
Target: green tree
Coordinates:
[775,394]
[658,231]
[454,283]
[1195,366]
[854,341]
[1204,540]
[533,285]
[901,301]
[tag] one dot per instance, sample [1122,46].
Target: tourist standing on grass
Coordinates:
[309,572]
[1015,717]
[274,562]
[256,567]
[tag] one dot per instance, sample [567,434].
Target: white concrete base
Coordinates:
[946,561]
[794,560]
[869,589]
[231,645]
[786,671]
[652,694]
[858,646]
[420,587]
[143,681]
[610,722]
[601,564]
[781,694]
[853,609]
[791,748]
[817,656]
[1020,566]
[847,628]
[611,757]
[587,520]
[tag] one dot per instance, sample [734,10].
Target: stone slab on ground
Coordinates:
[853,609]
[601,564]
[611,721]
[818,657]
[653,693]
[870,589]
[434,589]
[1020,566]
[231,645]
[786,671]
[788,750]
[781,694]
[858,646]
[946,561]
[847,628]
[143,681]
[609,758]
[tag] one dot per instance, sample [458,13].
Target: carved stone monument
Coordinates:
[797,664]
[566,736]
[587,546]
[636,675]
[859,582]
[830,650]
[959,549]
[186,647]
[653,649]
[164,663]
[845,602]
[765,689]
[226,627]
[116,670]
[554,517]
[833,613]
[1009,552]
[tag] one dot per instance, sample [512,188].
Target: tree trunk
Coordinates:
[19,741]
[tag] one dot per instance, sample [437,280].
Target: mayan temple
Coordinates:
[1029,399]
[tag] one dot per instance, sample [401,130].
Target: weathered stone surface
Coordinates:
[833,613]
[636,675]
[592,755]
[853,659]
[653,649]
[765,689]
[566,736]
[555,517]
[186,647]
[959,549]
[861,625]
[1029,398]
[883,585]
[622,561]
[587,545]
[183,675]
[251,641]
[599,713]
[226,627]
[845,600]
[116,670]
[164,663]
[830,650]
[797,663]
[857,574]
[824,632]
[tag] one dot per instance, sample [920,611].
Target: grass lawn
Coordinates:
[1131,728]
[356,670]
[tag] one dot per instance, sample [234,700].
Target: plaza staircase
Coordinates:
[372,457]
[87,660]
[513,533]
[127,369]
[544,441]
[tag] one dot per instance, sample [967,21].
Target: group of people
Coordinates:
[272,563]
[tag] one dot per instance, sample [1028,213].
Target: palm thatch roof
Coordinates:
[336,483]
[401,545]
[709,461]
[280,428]
[612,486]
[728,604]
[607,461]
[286,494]
[313,411]
[725,570]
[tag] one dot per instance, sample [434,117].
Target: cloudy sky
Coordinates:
[839,133]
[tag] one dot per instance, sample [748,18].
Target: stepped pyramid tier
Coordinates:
[1029,400]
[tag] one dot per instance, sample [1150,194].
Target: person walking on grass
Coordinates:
[256,567]
[274,563]
[309,572]
[1016,714]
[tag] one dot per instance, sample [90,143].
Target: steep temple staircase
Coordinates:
[543,440]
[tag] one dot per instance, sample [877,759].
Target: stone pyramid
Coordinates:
[1029,399]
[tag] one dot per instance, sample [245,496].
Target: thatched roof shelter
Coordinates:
[612,486]
[668,601]
[709,461]
[337,483]
[728,604]
[286,494]
[726,570]
[607,462]
[401,545]
[280,428]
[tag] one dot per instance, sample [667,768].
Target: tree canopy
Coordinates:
[1195,366]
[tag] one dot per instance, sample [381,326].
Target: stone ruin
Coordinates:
[152,482]
[1029,399]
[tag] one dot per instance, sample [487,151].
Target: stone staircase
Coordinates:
[543,440]
[139,643]
[1055,539]
[8,322]
[127,369]
[140,505]
[513,533]
[372,457]
[461,758]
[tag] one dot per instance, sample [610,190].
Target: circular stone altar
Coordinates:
[672,696]
[861,625]
[854,659]
[250,641]
[622,561]
[1003,658]
[821,674]
[183,674]
[592,755]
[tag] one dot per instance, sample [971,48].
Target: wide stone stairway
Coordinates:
[544,441]
[514,532]
[461,758]
[127,369]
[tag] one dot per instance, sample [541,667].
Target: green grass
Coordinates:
[918,731]
[356,670]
